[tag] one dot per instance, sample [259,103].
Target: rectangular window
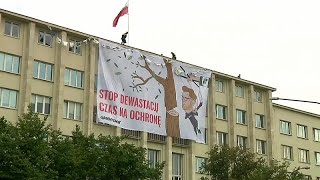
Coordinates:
[12,29]
[258,95]
[242,142]
[287,152]
[260,121]
[41,104]
[9,63]
[241,116]
[45,38]
[303,155]
[317,156]
[302,131]
[42,70]
[239,91]
[316,133]
[221,112]
[219,86]
[8,98]
[200,162]
[75,46]
[176,166]
[261,147]
[72,110]
[73,78]
[222,138]
[285,127]
[153,157]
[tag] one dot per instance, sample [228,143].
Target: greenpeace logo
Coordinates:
[110,119]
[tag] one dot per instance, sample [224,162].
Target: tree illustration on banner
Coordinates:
[172,122]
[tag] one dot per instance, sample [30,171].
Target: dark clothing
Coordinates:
[193,120]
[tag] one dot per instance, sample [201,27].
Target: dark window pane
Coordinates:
[7,28]
[15,30]
[48,39]
[42,71]
[35,69]
[40,104]
[8,63]
[49,72]
[16,63]
[1,61]
[33,103]
[47,106]
[41,37]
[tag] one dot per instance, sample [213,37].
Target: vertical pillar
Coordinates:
[144,140]
[168,160]
[26,68]
[211,122]
[58,96]
[270,126]
[192,161]
[231,114]
[251,119]
[89,87]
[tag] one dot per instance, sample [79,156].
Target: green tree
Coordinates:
[234,163]
[31,149]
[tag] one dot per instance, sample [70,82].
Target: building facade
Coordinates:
[59,80]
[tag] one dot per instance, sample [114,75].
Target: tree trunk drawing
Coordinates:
[172,122]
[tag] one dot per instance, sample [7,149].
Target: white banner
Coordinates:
[144,92]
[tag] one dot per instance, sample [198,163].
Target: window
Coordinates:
[221,112]
[258,95]
[75,46]
[219,86]
[239,91]
[153,157]
[176,166]
[285,127]
[316,133]
[95,82]
[241,116]
[242,142]
[303,155]
[302,131]
[222,138]
[41,104]
[261,147]
[287,152]
[260,121]
[200,162]
[12,29]
[45,38]
[317,156]
[42,70]
[8,98]
[72,110]
[9,63]
[73,78]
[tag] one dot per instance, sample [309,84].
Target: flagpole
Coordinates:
[128,23]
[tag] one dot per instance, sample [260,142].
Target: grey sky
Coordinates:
[274,42]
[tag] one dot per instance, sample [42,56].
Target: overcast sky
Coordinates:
[272,42]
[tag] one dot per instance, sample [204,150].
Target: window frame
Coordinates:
[224,138]
[290,128]
[219,85]
[244,140]
[284,152]
[9,96]
[316,138]
[12,24]
[240,92]
[200,161]
[224,112]
[317,158]
[156,156]
[306,154]
[305,129]
[76,44]
[66,112]
[258,96]
[261,147]
[46,70]
[241,117]
[43,111]
[179,175]
[45,35]
[76,78]
[262,121]
[15,60]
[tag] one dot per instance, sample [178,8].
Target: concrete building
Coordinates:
[36,67]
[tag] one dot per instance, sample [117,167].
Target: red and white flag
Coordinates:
[123,12]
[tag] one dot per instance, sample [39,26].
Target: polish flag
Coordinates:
[123,12]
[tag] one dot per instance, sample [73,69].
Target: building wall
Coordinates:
[28,48]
